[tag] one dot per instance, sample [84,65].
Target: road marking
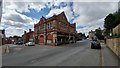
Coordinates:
[18,49]
[101,59]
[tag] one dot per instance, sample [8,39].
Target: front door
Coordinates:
[41,39]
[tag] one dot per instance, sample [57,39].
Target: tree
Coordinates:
[117,18]
[79,36]
[99,33]
[109,22]
[16,38]
[10,37]
[83,35]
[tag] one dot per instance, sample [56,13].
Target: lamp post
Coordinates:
[110,34]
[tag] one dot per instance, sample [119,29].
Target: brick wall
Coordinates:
[114,45]
[116,30]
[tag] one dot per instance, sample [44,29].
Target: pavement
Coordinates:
[75,54]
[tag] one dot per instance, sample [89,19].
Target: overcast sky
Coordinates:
[18,17]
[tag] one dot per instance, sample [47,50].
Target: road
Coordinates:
[75,54]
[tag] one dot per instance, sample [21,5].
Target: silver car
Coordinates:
[30,44]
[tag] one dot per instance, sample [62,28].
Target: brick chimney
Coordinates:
[3,31]
[29,30]
[75,25]
[24,32]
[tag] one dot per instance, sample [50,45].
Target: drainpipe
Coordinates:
[45,33]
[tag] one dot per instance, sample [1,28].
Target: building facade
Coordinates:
[28,36]
[8,41]
[91,34]
[54,30]
[2,36]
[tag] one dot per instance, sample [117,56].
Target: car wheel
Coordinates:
[91,47]
[100,47]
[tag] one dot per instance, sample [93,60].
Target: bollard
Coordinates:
[7,49]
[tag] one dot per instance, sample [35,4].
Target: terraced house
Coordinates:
[54,30]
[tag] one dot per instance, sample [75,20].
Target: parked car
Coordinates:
[95,44]
[30,44]
[90,39]
[19,43]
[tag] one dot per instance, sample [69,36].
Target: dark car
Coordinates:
[95,44]
[19,43]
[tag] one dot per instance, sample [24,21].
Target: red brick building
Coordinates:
[28,36]
[55,30]
[8,41]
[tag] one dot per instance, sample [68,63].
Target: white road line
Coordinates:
[101,59]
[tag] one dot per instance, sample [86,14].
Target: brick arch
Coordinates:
[41,38]
[49,36]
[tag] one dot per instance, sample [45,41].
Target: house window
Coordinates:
[36,30]
[42,27]
[49,25]
[63,26]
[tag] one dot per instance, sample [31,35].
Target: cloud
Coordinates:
[37,6]
[66,9]
[61,0]
[11,31]
[24,6]
[19,6]
[92,14]
[87,15]
[13,18]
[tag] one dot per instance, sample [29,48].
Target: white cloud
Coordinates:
[37,5]
[57,3]
[15,22]
[19,6]
[92,14]
[57,11]
[61,0]
[11,31]
[24,6]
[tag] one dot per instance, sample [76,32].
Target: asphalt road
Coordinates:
[76,54]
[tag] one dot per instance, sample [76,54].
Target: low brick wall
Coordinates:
[114,45]
[4,49]
[116,30]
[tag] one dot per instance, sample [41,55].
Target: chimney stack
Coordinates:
[29,30]
[3,31]
[24,32]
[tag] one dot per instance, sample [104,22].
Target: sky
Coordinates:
[21,16]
